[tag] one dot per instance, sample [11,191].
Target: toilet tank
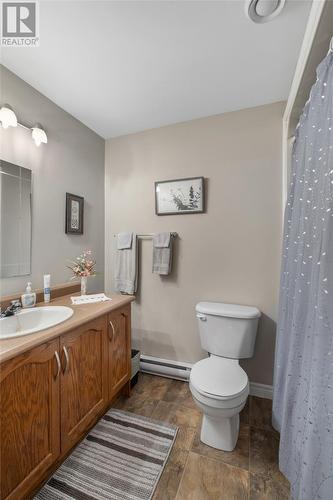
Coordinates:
[227,330]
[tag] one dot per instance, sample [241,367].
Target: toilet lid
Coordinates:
[228,310]
[220,377]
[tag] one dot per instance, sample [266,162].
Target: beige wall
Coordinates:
[72,161]
[231,253]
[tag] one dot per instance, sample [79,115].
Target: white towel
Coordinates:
[89,299]
[124,240]
[126,268]
[162,253]
[161,240]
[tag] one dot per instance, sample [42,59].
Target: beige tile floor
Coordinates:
[195,471]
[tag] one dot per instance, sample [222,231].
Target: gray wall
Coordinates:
[231,253]
[72,161]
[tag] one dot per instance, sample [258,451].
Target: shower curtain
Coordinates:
[303,377]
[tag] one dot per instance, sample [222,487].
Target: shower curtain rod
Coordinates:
[151,235]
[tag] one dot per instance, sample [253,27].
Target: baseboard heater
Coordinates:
[165,367]
[181,371]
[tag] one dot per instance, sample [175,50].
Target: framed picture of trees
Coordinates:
[180,196]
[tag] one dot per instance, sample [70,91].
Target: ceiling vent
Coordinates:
[262,11]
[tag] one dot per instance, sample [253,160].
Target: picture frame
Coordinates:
[74,214]
[180,196]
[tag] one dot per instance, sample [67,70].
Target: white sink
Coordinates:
[33,320]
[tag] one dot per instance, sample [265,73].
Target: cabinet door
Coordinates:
[84,388]
[119,333]
[29,418]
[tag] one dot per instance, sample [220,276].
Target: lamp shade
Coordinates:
[7,117]
[39,135]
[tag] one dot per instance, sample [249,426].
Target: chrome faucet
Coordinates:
[15,307]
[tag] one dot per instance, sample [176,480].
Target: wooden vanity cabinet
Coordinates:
[119,336]
[51,396]
[84,379]
[29,418]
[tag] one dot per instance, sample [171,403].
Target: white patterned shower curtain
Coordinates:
[303,377]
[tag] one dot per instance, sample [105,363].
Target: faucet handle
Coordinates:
[15,305]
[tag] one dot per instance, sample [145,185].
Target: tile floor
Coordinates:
[197,472]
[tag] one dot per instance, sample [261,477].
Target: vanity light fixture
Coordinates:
[8,119]
[39,135]
[7,116]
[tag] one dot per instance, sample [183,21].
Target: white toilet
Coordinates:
[218,384]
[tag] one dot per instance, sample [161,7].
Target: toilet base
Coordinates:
[220,433]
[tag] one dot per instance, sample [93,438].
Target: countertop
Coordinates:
[10,348]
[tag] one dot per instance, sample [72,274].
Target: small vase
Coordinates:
[83,285]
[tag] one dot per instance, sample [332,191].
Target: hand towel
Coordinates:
[124,240]
[162,253]
[126,265]
[89,299]
[161,240]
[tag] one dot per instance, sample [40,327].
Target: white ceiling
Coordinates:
[125,66]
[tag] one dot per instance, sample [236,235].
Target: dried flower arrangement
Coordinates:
[83,267]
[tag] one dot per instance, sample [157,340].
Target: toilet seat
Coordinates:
[219,379]
[234,405]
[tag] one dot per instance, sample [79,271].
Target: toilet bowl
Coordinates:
[218,384]
[219,387]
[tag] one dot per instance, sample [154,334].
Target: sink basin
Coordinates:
[33,320]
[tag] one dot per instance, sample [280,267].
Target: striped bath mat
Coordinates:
[122,458]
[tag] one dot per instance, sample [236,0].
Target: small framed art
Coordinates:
[74,214]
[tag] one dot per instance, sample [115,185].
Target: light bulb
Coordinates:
[7,117]
[38,135]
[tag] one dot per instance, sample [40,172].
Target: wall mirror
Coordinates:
[15,222]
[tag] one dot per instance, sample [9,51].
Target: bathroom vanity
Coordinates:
[55,385]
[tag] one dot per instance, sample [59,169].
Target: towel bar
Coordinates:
[151,235]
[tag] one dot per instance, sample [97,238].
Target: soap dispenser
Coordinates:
[28,299]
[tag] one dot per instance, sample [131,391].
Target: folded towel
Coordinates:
[89,299]
[124,240]
[126,268]
[162,253]
[161,240]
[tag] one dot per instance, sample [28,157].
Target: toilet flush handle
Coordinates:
[202,317]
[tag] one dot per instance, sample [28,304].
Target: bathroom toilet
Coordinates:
[218,384]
